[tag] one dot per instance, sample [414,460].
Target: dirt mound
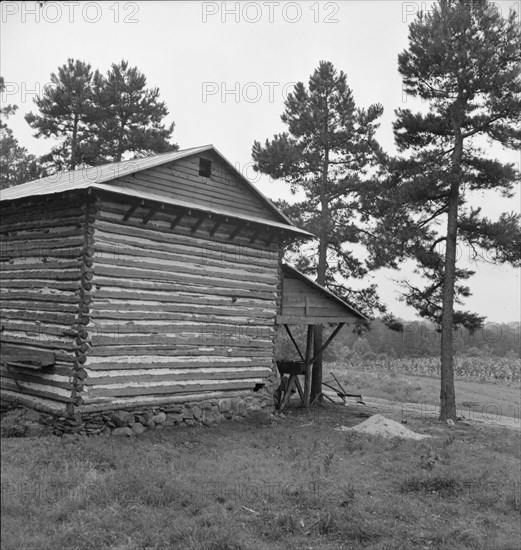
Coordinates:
[379,425]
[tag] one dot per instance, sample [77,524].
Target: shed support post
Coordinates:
[309,363]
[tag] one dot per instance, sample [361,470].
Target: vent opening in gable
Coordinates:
[205,168]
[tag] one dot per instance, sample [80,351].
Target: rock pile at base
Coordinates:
[19,421]
[379,425]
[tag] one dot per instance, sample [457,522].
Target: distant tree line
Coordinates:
[93,118]
[418,339]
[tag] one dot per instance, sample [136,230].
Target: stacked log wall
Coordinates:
[177,315]
[44,262]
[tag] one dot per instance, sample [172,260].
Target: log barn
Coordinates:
[149,284]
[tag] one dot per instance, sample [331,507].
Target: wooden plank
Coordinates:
[314,320]
[194,374]
[100,404]
[177,219]
[198,223]
[36,377]
[178,363]
[38,299]
[294,341]
[223,280]
[236,231]
[131,210]
[256,234]
[9,352]
[62,345]
[151,212]
[215,227]
[165,291]
[307,381]
[37,264]
[45,285]
[164,350]
[228,329]
[173,340]
[32,389]
[174,388]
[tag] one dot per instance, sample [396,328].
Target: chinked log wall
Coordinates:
[46,257]
[177,315]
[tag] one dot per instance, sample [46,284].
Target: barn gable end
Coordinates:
[161,288]
[181,179]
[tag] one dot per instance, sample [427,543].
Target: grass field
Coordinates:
[297,483]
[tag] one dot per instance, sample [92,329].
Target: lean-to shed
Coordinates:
[145,283]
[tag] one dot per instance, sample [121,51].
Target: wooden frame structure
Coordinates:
[139,284]
[304,302]
[146,283]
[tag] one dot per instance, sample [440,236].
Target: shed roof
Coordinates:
[100,177]
[305,302]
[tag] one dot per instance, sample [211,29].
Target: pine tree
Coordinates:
[463,62]
[100,119]
[327,151]
[67,113]
[16,164]
[132,115]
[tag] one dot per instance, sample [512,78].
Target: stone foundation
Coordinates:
[18,421]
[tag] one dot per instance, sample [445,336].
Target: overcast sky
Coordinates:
[224,68]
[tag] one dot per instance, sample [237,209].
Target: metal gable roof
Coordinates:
[85,178]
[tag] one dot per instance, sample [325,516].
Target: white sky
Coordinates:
[222,69]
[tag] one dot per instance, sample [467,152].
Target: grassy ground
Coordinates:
[295,484]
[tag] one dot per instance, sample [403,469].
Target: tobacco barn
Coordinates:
[152,284]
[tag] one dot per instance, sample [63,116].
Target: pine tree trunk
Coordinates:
[447,392]
[74,142]
[119,150]
[316,375]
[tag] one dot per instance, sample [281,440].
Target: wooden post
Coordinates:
[328,341]
[294,341]
[307,381]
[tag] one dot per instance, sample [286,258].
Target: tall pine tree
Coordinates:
[100,119]
[67,113]
[463,61]
[132,115]
[16,164]
[329,147]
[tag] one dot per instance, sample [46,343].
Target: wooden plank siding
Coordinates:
[181,180]
[176,312]
[305,303]
[42,260]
